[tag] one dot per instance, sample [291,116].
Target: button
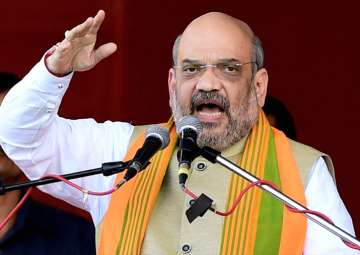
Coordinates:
[191,202]
[60,85]
[201,166]
[186,248]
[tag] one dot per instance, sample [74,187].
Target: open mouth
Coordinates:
[209,106]
[209,109]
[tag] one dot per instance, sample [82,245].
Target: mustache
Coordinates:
[199,97]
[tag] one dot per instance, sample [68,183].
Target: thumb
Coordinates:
[104,51]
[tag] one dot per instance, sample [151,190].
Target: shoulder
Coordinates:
[304,152]
[306,157]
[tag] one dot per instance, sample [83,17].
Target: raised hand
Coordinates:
[77,51]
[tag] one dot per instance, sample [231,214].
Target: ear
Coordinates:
[261,82]
[171,82]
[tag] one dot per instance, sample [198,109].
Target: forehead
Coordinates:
[211,41]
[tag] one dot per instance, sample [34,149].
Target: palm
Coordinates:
[76,52]
[84,59]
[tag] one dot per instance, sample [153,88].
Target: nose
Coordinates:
[208,81]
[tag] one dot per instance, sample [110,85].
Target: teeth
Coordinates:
[210,114]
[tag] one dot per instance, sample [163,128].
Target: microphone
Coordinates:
[188,128]
[157,138]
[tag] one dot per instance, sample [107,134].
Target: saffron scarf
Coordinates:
[259,225]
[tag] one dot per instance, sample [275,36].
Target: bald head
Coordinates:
[215,30]
[218,20]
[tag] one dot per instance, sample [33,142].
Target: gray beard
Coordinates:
[240,123]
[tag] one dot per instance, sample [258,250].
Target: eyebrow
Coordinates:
[190,61]
[222,60]
[229,60]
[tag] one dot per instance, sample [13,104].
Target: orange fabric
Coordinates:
[241,234]
[115,213]
[294,225]
[111,228]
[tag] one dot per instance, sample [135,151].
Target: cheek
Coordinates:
[184,92]
[236,98]
[238,94]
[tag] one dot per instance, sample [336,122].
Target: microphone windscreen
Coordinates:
[159,132]
[189,122]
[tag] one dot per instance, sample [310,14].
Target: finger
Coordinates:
[104,51]
[80,30]
[98,19]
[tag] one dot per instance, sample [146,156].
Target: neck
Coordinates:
[7,203]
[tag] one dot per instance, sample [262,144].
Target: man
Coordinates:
[218,76]
[37,228]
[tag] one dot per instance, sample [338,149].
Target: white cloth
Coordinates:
[41,142]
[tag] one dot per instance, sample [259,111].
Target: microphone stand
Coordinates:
[106,169]
[215,157]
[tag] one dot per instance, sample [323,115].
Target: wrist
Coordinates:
[51,70]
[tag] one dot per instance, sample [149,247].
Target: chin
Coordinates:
[215,127]
[213,137]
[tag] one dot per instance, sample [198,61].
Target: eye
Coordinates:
[231,68]
[191,69]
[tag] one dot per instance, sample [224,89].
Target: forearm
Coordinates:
[30,107]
